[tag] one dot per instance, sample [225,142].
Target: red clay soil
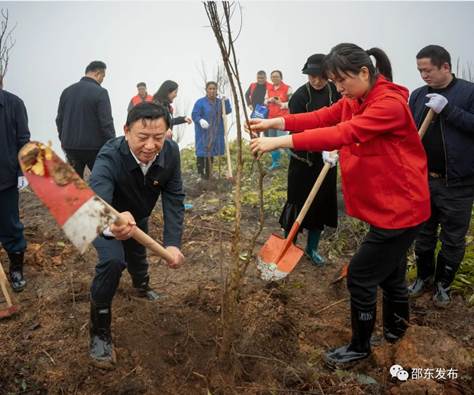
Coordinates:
[169,346]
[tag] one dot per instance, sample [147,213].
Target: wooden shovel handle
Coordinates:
[145,240]
[3,285]
[426,123]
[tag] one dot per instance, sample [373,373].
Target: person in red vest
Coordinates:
[256,92]
[277,98]
[384,179]
[141,97]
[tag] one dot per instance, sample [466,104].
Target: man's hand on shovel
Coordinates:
[124,227]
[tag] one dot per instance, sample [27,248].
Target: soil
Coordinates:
[170,346]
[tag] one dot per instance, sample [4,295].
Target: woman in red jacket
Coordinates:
[384,181]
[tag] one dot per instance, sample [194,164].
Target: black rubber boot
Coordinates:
[445,273]
[17,280]
[101,349]
[145,291]
[424,279]
[359,348]
[395,319]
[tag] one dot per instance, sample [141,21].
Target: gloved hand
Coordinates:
[437,102]
[22,183]
[330,157]
[204,124]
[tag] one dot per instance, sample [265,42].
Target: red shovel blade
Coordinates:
[74,206]
[277,258]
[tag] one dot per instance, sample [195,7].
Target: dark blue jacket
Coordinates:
[457,127]
[118,179]
[14,134]
[84,119]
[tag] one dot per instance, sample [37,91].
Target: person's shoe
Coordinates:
[359,348]
[441,296]
[17,280]
[315,258]
[395,319]
[419,286]
[101,349]
[147,292]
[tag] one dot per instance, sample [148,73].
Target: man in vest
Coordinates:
[257,90]
[141,97]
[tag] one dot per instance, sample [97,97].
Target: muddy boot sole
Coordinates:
[107,364]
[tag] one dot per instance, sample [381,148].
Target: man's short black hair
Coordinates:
[95,66]
[148,111]
[261,72]
[141,84]
[436,53]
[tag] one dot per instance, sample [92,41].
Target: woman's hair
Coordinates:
[348,58]
[277,71]
[161,96]
[208,83]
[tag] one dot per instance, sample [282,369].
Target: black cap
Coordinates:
[314,64]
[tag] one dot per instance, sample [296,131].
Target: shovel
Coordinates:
[10,309]
[80,213]
[426,123]
[278,256]
[226,140]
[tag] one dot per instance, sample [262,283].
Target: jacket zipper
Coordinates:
[441,123]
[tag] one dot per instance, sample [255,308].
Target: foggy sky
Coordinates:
[171,40]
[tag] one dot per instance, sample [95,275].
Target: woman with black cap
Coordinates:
[165,96]
[305,166]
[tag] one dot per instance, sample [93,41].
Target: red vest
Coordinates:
[253,85]
[274,110]
[137,99]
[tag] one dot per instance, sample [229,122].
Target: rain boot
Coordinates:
[311,250]
[101,349]
[359,348]
[276,155]
[424,276]
[445,273]
[395,319]
[17,280]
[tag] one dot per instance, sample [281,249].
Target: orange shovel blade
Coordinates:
[272,264]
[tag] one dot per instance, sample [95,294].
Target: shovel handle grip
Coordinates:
[226,140]
[3,285]
[426,123]
[146,241]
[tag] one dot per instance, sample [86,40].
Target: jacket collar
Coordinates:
[2,98]
[89,79]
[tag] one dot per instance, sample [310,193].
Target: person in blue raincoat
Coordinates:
[209,128]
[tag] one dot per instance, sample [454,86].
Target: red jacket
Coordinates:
[274,110]
[137,99]
[383,163]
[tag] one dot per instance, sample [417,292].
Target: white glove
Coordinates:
[203,124]
[330,157]
[22,183]
[437,102]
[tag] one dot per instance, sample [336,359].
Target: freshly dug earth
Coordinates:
[169,346]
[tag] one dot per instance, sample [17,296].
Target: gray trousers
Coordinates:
[451,208]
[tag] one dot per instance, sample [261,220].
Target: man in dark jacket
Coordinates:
[256,92]
[14,133]
[449,145]
[84,119]
[130,173]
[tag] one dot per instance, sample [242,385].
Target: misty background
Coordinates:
[156,41]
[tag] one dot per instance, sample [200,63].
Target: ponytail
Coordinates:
[382,62]
[348,58]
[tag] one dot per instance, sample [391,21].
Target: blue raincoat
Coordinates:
[209,142]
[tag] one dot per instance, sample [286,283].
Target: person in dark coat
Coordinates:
[305,167]
[165,96]
[84,119]
[449,146]
[256,91]
[131,172]
[14,133]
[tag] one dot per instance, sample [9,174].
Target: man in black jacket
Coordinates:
[14,133]
[130,173]
[84,119]
[449,145]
